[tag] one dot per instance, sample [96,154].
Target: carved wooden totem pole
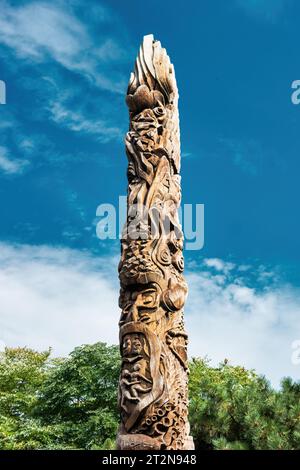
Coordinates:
[153,382]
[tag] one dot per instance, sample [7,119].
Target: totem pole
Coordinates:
[153,397]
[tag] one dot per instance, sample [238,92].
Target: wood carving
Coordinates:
[153,397]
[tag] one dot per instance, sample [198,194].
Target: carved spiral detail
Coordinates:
[164,256]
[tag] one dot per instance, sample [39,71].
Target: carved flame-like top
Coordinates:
[154,69]
[153,86]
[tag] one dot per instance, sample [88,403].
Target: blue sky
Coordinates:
[66,67]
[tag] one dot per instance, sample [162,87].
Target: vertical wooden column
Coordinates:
[153,382]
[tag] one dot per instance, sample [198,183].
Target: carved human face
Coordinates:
[141,304]
[146,302]
[137,346]
[147,297]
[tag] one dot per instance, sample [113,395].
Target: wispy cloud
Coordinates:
[247,154]
[18,148]
[73,71]
[187,155]
[266,10]
[77,122]
[37,28]
[44,31]
[9,165]
[62,297]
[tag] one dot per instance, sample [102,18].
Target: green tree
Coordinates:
[22,372]
[71,403]
[65,403]
[79,397]
[234,408]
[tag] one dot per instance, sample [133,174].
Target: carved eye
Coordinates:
[148,299]
[159,111]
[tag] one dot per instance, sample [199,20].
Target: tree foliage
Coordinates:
[67,403]
[71,403]
[234,408]
[22,374]
[79,396]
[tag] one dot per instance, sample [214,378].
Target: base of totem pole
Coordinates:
[143,442]
[189,443]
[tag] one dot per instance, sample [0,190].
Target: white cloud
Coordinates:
[40,31]
[55,297]
[77,122]
[10,166]
[63,298]
[38,28]
[252,327]
[219,264]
